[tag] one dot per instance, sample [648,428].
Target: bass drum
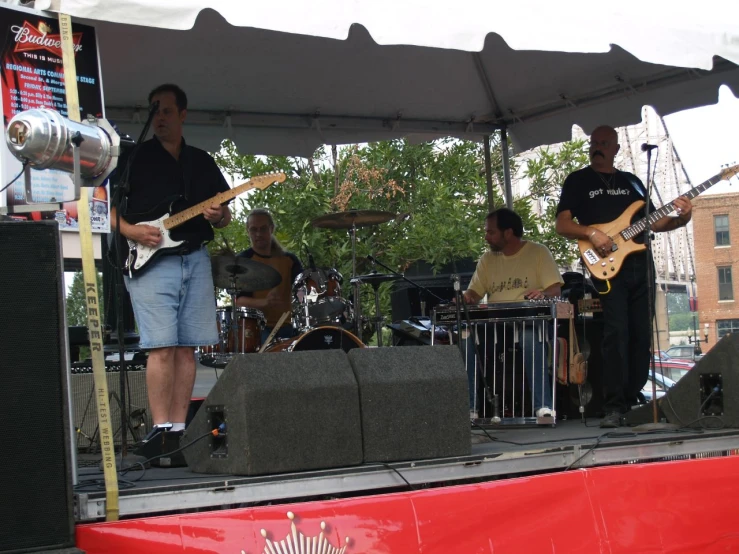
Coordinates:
[322,338]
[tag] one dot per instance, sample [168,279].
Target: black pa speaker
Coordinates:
[710,388]
[414,402]
[36,480]
[283,412]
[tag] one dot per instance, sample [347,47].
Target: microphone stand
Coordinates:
[118,200]
[419,287]
[650,287]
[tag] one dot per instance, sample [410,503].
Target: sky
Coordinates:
[706,138]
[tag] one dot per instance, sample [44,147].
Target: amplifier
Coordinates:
[84,409]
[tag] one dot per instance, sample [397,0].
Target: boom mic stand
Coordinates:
[419,287]
[651,283]
[118,200]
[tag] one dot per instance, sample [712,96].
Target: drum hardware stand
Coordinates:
[357,303]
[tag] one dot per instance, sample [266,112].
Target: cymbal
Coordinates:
[352,218]
[375,278]
[243,274]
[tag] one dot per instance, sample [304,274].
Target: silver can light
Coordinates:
[44,138]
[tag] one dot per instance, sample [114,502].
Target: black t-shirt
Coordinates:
[156,176]
[594,197]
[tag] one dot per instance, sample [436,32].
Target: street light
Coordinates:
[695,340]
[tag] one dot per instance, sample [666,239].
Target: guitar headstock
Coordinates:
[261,182]
[728,172]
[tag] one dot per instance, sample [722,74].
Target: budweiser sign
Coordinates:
[28,37]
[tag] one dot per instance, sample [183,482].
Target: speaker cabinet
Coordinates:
[710,388]
[283,412]
[84,409]
[414,402]
[36,479]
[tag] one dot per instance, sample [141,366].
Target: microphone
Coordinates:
[154,108]
[648,147]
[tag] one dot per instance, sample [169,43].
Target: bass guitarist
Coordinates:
[173,297]
[599,194]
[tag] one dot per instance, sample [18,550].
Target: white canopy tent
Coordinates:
[284,77]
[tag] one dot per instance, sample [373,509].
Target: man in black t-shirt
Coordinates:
[597,194]
[172,295]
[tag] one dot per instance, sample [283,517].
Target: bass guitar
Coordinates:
[161,217]
[622,231]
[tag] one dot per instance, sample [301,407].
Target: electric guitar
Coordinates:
[139,256]
[622,231]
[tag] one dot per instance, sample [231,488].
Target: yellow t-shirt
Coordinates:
[507,278]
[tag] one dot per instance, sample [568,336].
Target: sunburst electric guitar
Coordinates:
[622,231]
[139,256]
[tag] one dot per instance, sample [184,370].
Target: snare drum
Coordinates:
[243,338]
[322,338]
[322,303]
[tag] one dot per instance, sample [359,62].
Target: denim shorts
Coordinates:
[174,302]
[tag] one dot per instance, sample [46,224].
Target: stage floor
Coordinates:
[497,453]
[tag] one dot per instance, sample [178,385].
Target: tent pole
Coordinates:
[506,168]
[488,173]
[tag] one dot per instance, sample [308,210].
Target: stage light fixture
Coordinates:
[46,140]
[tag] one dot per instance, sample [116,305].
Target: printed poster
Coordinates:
[32,77]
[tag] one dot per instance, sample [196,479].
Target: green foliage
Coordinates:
[437,189]
[680,321]
[546,173]
[677,303]
[76,306]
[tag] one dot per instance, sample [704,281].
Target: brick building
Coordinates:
[716,239]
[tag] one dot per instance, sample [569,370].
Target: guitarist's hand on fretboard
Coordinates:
[601,241]
[214,213]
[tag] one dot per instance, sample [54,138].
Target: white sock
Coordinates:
[178,427]
[166,425]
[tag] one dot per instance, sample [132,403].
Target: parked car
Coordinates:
[670,367]
[662,385]
[684,352]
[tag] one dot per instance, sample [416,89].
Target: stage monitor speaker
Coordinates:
[36,480]
[284,412]
[414,402]
[84,410]
[710,389]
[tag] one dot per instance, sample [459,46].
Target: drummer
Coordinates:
[266,249]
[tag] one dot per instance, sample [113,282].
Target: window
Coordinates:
[721,226]
[727,326]
[725,288]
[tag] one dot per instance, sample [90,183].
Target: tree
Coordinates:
[546,171]
[437,189]
[76,306]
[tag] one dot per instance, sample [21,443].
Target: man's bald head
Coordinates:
[603,148]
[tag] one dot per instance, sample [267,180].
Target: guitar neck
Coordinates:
[221,198]
[641,225]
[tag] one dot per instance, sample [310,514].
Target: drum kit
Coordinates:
[321,314]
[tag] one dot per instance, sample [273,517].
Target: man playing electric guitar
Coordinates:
[599,194]
[173,297]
